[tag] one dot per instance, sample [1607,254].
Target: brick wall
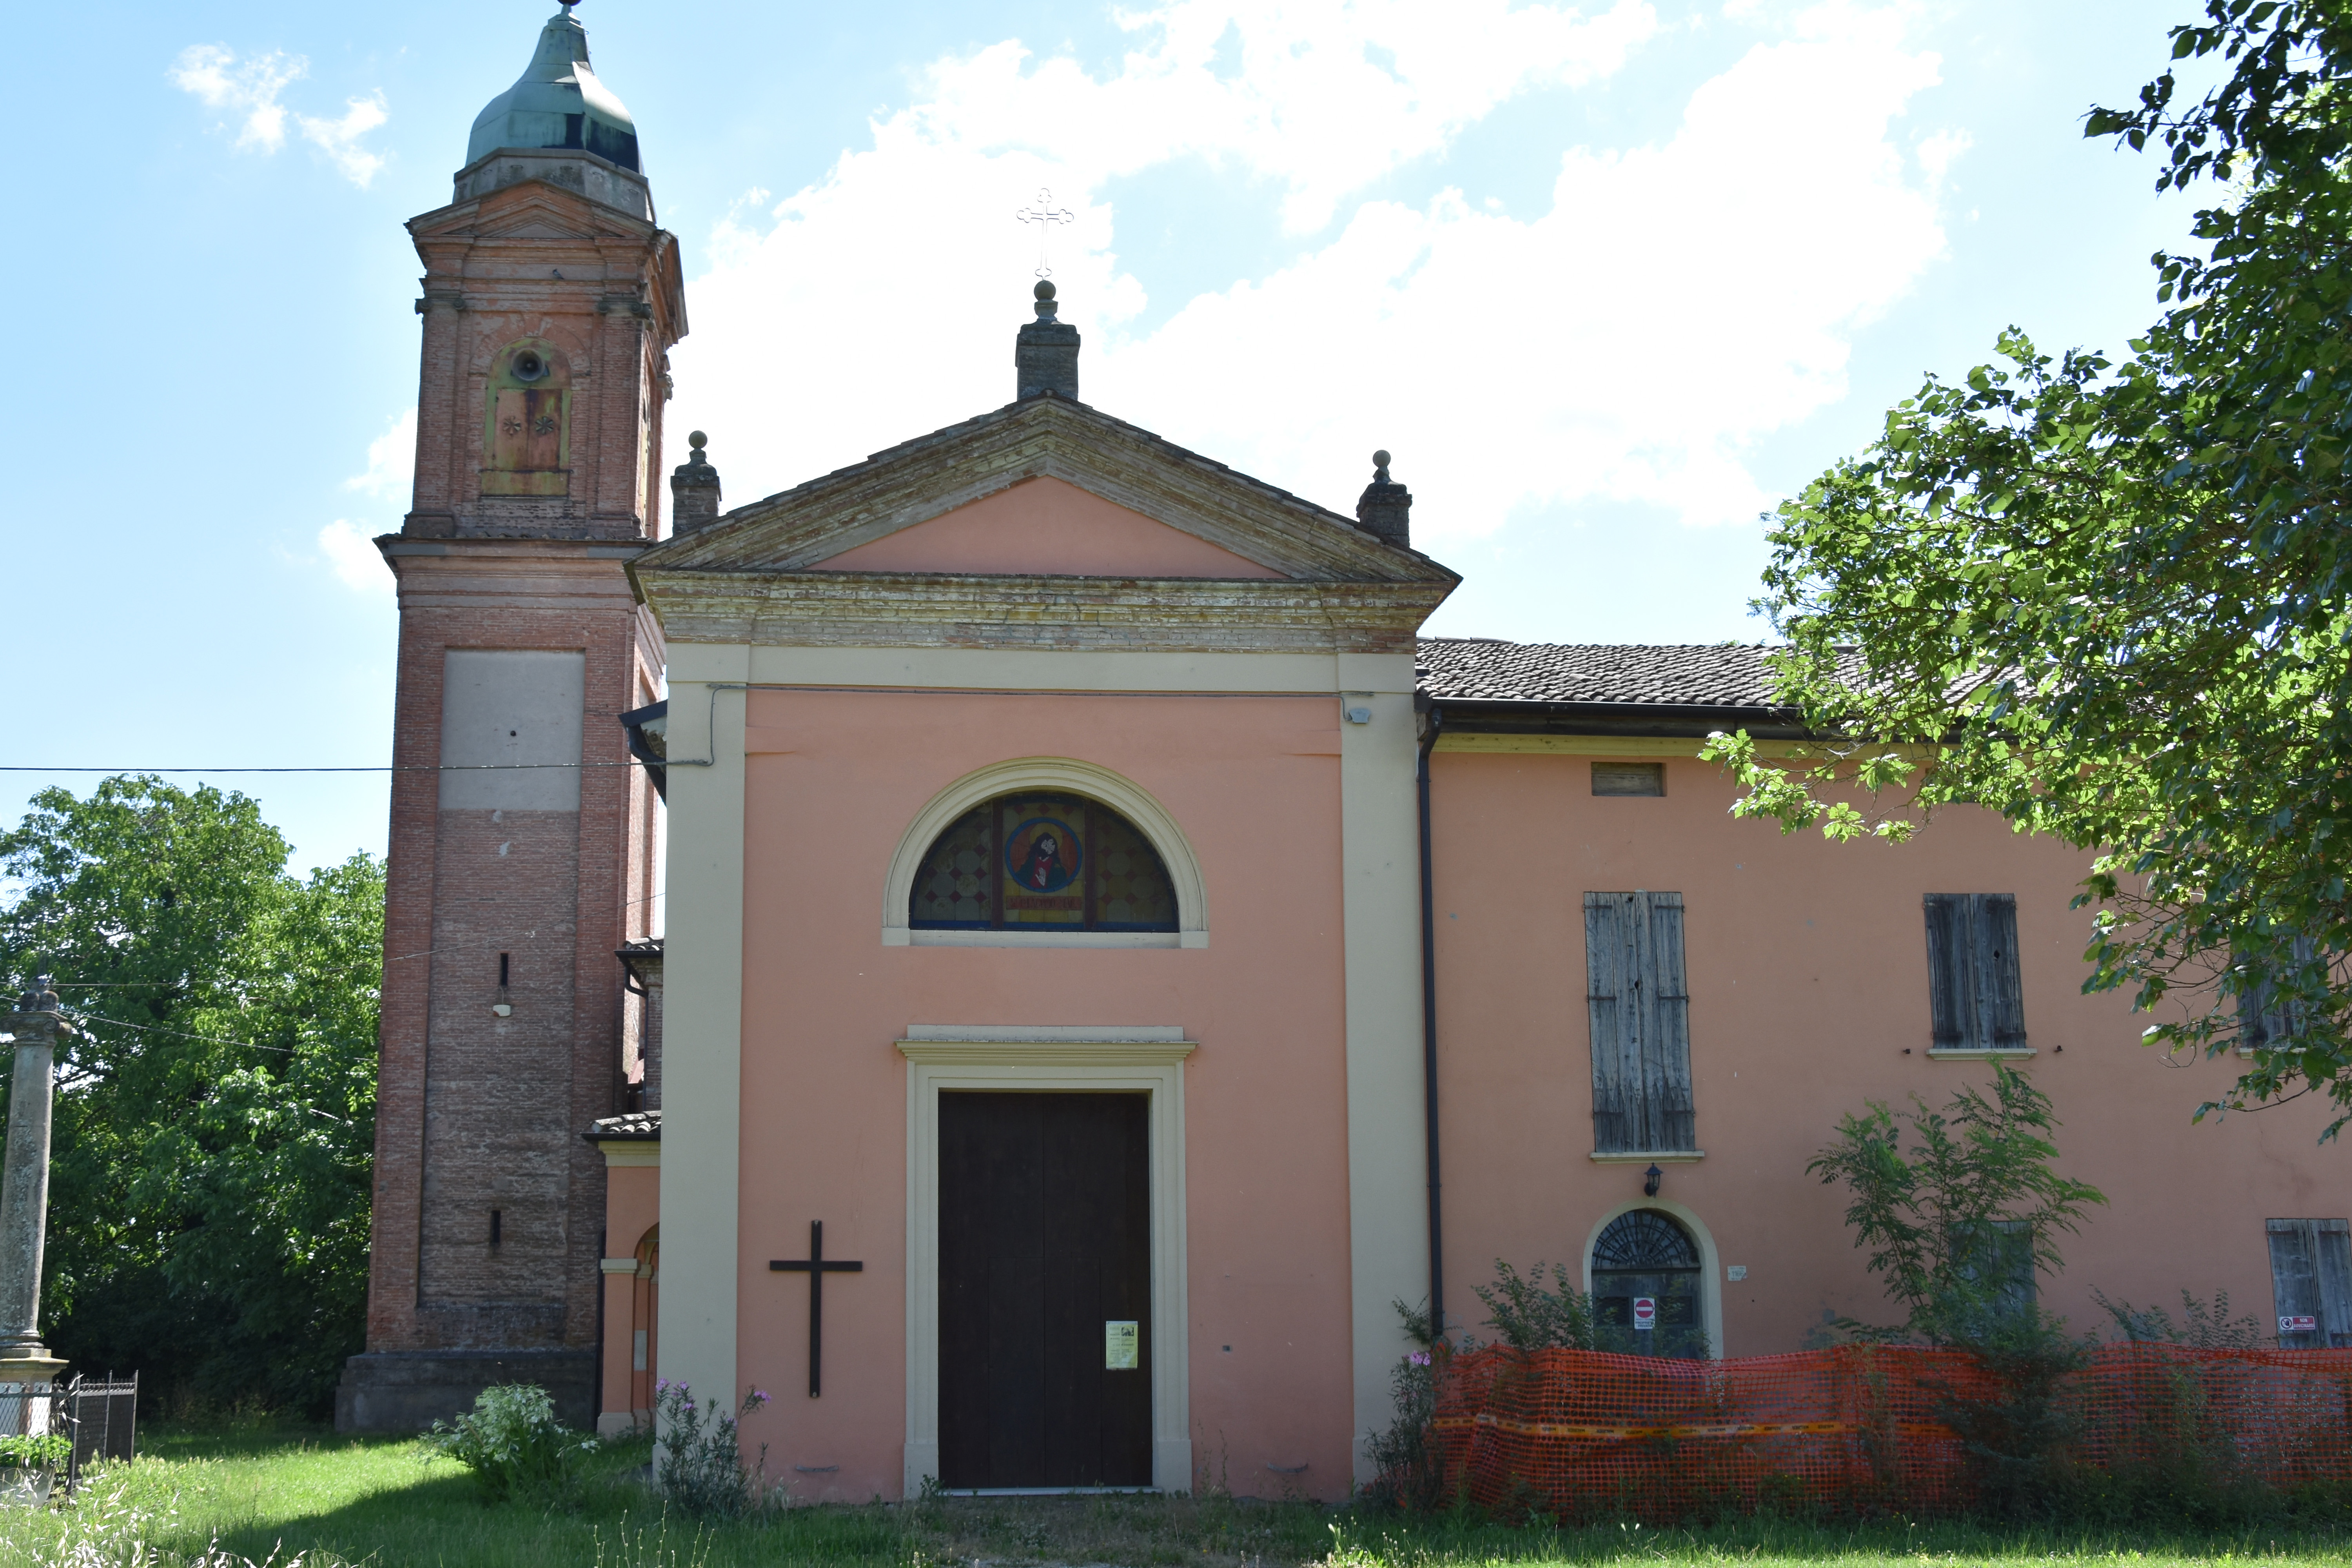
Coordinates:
[477,1112]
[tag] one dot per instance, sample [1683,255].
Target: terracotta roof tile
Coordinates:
[628,1124]
[1485,669]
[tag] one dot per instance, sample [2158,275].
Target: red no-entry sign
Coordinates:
[1645,1312]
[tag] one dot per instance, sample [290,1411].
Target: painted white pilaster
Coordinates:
[702,1025]
[1388,1207]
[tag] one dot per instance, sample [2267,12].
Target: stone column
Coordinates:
[25,1186]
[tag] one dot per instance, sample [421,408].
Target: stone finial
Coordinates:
[1385,509]
[1045,355]
[693,488]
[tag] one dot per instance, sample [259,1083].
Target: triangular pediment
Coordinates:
[967,482]
[1044,527]
[532,209]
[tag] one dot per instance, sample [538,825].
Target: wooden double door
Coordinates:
[1045,1332]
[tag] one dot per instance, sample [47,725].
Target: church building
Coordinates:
[1106,956]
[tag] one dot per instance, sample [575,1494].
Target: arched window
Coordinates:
[1646,1266]
[1041,861]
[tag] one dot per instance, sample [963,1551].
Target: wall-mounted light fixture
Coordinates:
[1650,1180]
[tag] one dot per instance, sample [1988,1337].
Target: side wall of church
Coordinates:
[1807,972]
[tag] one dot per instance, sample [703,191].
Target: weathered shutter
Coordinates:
[1976,994]
[1607,984]
[2298,1282]
[1947,989]
[1639,1004]
[1665,1064]
[2254,1015]
[2000,1000]
[2013,1247]
[2332,1250]
[2263,1019]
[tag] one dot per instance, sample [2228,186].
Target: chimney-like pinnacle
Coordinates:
[1045,355]
[1385,509]
[693,488]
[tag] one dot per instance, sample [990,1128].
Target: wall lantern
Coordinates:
[1650,1180]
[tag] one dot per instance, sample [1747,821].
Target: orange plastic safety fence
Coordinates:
[1863,1427]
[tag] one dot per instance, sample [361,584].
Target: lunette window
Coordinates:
[1043,862]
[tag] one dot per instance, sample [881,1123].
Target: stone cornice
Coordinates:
[830,609]
[1046,437]
[511,573]
[630,247]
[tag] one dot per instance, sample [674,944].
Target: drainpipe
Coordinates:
[1429,1028]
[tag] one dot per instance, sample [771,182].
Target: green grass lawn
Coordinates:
[333,1501]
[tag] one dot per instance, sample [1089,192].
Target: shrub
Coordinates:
[1531,1318]
[515,1446]
[45,1453]
[1404,1462]
[701,1469]
[1959,1222]
[2202,1326]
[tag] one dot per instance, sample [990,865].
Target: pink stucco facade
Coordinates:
[825,1097]
[1806,967]
[834,682]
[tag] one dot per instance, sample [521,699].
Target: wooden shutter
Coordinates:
[1638,1003]
[2262,1019]
[1666,1054]
[1975,995]
[2311,1277]
[1947,991]
[2001,1001]
[2294,1279]
[1612,1001]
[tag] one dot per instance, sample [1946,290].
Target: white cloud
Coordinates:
[351,556]
[1938,153]
[1680,300]
[390,461]
[249,88]
[340,138]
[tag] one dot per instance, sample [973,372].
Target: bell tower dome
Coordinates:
[521,846]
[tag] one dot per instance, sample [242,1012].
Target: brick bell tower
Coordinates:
[523,842]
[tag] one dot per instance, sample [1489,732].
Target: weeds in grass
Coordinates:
[514,1446]
[700,1463]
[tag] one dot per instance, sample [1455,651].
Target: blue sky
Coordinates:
[1609,281]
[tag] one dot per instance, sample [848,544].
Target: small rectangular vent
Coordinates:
[1629,778]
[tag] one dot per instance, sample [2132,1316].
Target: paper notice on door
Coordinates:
[1120,1344]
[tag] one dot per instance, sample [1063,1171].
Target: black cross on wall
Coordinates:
[816,1266]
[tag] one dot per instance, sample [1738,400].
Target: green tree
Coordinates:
[1959,1222]
[208,1200]
[2112,601]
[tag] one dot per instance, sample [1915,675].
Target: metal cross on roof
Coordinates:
[1044,214]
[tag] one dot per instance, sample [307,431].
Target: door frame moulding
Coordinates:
[1066,776]
[1710,1265]
[1113,1061]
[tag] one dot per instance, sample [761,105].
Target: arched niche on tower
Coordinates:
[1125,808]
[527,423]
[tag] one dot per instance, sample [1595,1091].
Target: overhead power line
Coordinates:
[381,768]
